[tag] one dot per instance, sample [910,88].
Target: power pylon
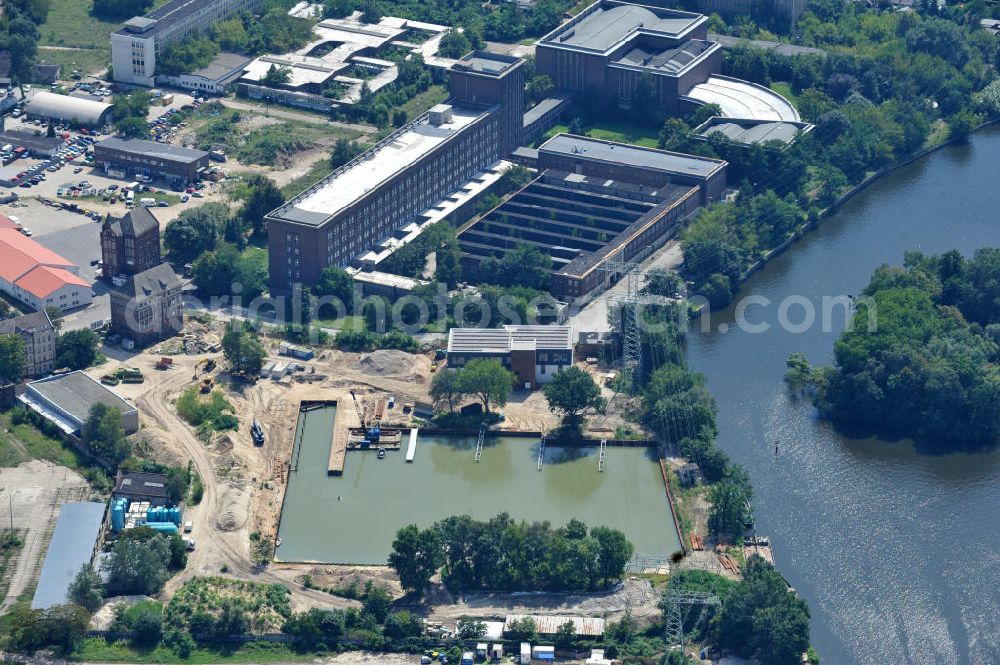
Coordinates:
[675,601]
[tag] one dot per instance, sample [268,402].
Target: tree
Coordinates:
[377,601]
[524,266]
[104,433]
[573,391]
[565,635]
[121,9]
[403,624]
[416,556]
[86,589]
[228,272]
[146,621]
[488,380]
[454,44]
[242,349]
[522,629]
[178,480]
[77,349]
[138,566]
[276,76]
[260,196]
[731,512]
[337,283]
[446,387]
[61,626]
[470,628]
[132,128]
[613,552]
[663,283]
[344,150]
[372,12]
[13,357]
[539,87]
[195,231]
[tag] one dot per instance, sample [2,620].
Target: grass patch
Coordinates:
[98,650]
[10,544]
[24,441]
[316,172]
[207,414]
[426,99]
[939,134]
[621,132]
[91,61]
[355,323]
[785,90]
[267,605]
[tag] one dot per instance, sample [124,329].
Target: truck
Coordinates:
[164,363]
[147,202]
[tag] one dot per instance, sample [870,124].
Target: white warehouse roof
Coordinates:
[64,107]
[741,99]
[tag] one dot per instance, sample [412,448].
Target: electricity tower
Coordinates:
[675,601]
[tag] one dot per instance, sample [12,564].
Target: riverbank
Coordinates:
[835,207]
[890,547]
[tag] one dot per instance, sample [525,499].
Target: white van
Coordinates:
[130,199]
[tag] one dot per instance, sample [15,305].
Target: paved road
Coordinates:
[279,112]
[595,315]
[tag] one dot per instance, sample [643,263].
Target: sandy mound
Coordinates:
[388,362]
[104,617]
[235,508]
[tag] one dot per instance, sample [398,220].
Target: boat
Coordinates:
[381,453]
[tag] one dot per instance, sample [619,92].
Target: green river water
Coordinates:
[353,518]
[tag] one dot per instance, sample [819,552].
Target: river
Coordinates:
[895,550]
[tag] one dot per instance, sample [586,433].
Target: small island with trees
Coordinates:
[920,358]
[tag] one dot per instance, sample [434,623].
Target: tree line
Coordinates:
[504,554]
[921,356]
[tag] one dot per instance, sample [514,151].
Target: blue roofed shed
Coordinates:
[72,545]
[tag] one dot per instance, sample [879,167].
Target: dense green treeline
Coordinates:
[890,84]
[920,358]
[503,554]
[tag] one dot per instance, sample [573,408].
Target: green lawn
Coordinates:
[91,61]
[319,170]
[20,442]
[356,323]
[428,98]
[98,650]
[785,90]
[621,132]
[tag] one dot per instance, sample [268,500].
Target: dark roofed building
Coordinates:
[126,158]
[150,487]
[66,399]
[39,337]
[130,244]
[37,146]
[147,308]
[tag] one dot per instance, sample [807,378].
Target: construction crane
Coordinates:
[373,429]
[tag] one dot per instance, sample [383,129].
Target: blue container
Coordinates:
[175,515]
[162,527]
[117,516]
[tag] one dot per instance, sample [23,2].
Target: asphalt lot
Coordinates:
[74,237]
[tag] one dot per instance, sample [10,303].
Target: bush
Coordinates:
[214,413]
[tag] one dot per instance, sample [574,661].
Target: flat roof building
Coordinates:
[135,47]
[605,50]
[382,190]
[72,546]
[533,353]
[141,486]
[37,146]
[594,205]
[66,399]
[212,79]
[65,108]
[752,132]
[127,158]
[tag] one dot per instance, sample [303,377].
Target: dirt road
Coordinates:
[279,112]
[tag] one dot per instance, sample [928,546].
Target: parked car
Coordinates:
[185,198]
[78,169]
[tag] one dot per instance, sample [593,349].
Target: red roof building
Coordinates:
[38,276]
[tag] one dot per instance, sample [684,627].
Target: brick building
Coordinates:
[147,308]
[39,337]
[130,244]
[127,158]
[381,191]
